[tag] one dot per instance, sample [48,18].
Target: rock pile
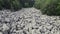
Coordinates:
[28,21]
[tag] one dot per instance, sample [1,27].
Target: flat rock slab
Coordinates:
[28,21]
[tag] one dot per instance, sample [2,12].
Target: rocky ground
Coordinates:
[28,21]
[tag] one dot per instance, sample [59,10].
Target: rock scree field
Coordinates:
[28,21]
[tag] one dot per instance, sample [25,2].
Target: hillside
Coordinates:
[28,21]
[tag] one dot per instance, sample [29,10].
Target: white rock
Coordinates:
[1,33]
[5,27]
[7,19]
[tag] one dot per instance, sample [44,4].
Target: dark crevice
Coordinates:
[24,32]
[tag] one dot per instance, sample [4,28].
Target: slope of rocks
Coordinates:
[28,21]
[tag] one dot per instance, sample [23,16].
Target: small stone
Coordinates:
[1,33]
[7,20]
[5,27]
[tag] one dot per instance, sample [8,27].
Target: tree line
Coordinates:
[15,4]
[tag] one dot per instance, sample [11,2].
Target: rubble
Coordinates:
[28,21]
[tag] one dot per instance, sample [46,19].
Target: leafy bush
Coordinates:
[49,7]
[27,3]
[37,4]
[40,4]
[15,4]
[10,4]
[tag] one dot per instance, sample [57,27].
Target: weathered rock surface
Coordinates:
[28,21]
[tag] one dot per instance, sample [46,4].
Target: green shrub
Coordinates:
[1,3]
[37,4]
[40,4]
[27,3]
[10,4]
[15,5]
[49,7]
[53,8]
[4,4]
